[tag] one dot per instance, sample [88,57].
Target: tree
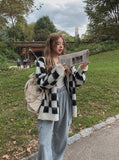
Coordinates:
[6,51]
[43,28]
[12,11]
[77,41]
[66,36]
[18,31]
[104,18]
[28,30]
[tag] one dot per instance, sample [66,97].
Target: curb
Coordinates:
[82,134]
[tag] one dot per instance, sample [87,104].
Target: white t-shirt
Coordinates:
[60,82]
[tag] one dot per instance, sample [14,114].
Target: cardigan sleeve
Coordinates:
[79,75]
[45,80]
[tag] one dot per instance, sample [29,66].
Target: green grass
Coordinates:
[16,126]
[97,100]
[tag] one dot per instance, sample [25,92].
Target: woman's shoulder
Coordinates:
[41,60]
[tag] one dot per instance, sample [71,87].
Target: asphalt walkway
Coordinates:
[102,144]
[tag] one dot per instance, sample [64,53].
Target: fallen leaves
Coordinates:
[109,126]
[70,130]
[6,157]
[18,152]
[80,115]
[12,120]
[28,150]
[14,142]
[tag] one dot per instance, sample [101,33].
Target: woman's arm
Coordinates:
[79,74]
[45,80]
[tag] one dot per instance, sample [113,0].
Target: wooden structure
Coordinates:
[27,50]
[26,47]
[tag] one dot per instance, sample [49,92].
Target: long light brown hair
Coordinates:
[51,44]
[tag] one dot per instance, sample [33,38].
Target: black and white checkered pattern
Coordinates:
[49,109]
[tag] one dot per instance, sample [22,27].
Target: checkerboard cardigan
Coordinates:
[49,109]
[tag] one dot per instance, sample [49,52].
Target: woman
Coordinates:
[59,98]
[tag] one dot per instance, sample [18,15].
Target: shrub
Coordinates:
[99,47]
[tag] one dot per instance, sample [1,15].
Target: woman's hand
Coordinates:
[67,69]
[84,65]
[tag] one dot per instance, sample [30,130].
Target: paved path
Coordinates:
[19,68]
[102,144]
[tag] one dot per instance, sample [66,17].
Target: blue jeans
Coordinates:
[53,136]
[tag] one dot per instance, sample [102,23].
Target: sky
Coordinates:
[65,15]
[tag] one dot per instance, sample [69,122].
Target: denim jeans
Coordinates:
[53,136]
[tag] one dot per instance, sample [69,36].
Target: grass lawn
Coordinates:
[97,100]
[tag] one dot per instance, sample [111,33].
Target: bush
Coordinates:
[6,53]
[99,47]
[4,66]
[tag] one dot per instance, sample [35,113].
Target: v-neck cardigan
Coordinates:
[49,109]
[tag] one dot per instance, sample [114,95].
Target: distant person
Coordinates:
[24,63]
[18,63]
[59,98]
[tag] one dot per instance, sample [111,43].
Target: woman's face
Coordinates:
[59,46]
